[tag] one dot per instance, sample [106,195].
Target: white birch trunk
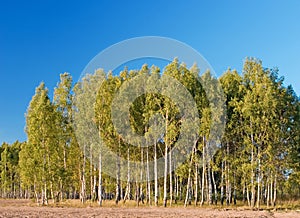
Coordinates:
[215,187]
[148,180]
[118,186]
[203,172]
[100,180]
[275,191]
[127,192]
[209,184]
[196,184]
[170,173]
[252,174]
[83,185]
[165,175]
[155,175]
[222,183]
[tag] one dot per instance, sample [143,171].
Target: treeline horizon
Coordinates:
[257,161]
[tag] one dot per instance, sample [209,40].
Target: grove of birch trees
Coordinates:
[257,161]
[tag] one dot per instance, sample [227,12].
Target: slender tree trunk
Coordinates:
[188,187]
[165,175]
[263,191]
[148,180]
[94,186]
[91,174]
[118,185]
[60,194]
[44,186]
[177,188]
[271,191]
[209,184]
[252,174]
[83,183]
[155,175]
[166,163]
[206,185]
[248,197]
[127,192]
[196,184]
[137,192]
[170,173]
[222,183]
[268,195]
[100,180]
[244,190]
[141,196]
[215,187]
[65,169]
[5,173]
[36,191]
[234,188]
[203,172]
[258,181]
[227,170]
[51,193]
[44,196]
[180,190]
[275,191]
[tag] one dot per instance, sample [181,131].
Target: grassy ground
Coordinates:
[74,208]
[281,205]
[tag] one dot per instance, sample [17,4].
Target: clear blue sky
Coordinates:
[41,39]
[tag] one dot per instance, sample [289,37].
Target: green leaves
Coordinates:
[261,142]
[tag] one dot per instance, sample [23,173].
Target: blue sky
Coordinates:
[41,39]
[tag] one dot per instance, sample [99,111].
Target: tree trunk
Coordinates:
[118,185]
[180,190]
[275,191]
[170,174]
[222,183]
[268,195]
[209,184]
[166,163]
[83,184]
[44,196]
[155,175]
[258,180]
[148,180]
[234,188]
[227,179]
[127,192]
[215,188]
[100,180]
[188,187]
[252,174]
[52,193]
[165,175]
[177,188]
[141,196]
[244,190]
[91,174]
[203,172]
[94,186]
[65,169]
[248,197]
[137,192]
[196,184]
[36,192]
[271,191]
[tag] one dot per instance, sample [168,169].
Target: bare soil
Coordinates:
[25,208]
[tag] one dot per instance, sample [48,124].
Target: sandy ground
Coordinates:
[21,208]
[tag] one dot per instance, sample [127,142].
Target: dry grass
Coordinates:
[74,208]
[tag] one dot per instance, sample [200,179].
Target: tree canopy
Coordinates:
[146,156]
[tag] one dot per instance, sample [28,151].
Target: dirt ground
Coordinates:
[23,208]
